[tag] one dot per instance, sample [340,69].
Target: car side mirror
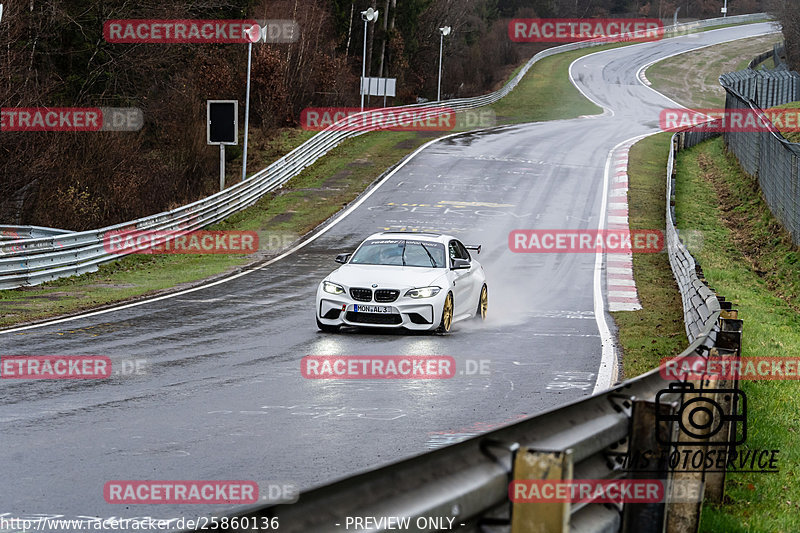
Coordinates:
[460,264]
[342,258]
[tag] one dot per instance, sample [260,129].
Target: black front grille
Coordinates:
[373,318]
[386,295]
[362,295]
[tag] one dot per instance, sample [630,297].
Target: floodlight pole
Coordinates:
[363,62]
[246,110]
[370,15]
[442,31]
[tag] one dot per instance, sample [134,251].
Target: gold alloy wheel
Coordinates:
[447,314]
[483,305]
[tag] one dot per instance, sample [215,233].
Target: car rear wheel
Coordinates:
[447,315]
[483,304]
[327,328]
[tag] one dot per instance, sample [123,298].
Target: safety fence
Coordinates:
[31,261]
[777,54]
[473,483]
[766,88]
[767,154]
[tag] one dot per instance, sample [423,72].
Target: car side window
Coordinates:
[452,251]
[463,250]
[457,251]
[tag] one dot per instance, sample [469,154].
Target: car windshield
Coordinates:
[400,252]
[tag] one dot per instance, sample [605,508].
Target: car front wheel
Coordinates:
[447,315]
[483,304]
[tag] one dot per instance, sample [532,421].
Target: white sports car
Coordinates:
[421,281]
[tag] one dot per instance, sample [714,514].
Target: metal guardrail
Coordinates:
[700,303]
[14,233]
[767,154]
[26,262]
[468,482]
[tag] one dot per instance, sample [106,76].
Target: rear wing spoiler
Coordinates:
[474,247]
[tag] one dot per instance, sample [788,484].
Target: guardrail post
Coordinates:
[647,458]
[544,517]
[684,516]
[728,345]
[715,480]
[729,335]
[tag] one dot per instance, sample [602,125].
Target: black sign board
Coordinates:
[222,121]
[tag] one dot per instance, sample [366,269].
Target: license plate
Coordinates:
[383,309]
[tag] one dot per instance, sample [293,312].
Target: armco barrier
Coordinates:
[32,261]
[699,301]
[468,482]
[15,233]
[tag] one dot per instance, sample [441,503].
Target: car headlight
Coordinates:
[423,292]
[332,288]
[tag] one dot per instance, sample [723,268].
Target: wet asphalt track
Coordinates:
[222,396]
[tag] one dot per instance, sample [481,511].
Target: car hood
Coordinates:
[388,277]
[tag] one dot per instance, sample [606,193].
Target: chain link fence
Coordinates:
[767,154]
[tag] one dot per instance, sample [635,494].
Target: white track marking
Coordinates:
[607,375]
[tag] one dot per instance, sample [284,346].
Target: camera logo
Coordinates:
[701,417]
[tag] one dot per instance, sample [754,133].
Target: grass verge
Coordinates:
[657,330]
[750,259]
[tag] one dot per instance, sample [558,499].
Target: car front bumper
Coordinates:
[410,313]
